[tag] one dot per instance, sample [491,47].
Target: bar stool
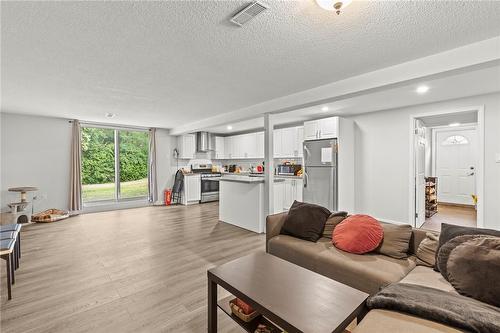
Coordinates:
[7,253]
[13,227]
[4,235]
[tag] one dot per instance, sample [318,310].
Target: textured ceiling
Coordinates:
[172,62]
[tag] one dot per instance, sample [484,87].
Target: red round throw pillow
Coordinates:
[358,234]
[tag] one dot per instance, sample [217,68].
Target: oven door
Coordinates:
[209,190]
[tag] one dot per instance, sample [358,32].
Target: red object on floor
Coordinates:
[168,196]
[244,306]
[358,234]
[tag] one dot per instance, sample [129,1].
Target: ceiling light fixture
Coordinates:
[325,108]
[336,5]
[422,89]
[110,115]
[454,124]
[229,127]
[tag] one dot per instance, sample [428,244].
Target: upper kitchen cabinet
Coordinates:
[228,147]
[220,148]
[248,145]
[260,145]
[288,142]
[186,144]
[326,128]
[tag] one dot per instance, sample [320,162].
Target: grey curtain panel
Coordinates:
[75,200]
[152,187]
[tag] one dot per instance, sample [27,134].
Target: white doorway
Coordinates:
[446,168]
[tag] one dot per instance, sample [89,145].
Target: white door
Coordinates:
[277,143]
[420,143]
[299,141]
[456,160]
[260,145]
[219,147]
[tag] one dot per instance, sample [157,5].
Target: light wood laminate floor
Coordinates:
[459,215]
[136,270]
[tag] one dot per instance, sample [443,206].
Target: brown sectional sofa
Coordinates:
[368,272]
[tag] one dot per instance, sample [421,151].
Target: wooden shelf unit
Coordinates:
[431,202]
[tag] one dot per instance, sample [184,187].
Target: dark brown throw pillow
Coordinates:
[305,221]
[396,240]
[333,220]
[473,268]
[445,250]
[449,231]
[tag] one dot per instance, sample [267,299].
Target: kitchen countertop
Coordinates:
[247,174]
[247,179]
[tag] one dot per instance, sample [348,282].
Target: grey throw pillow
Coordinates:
[473,268]
[426,252]
[396,241]
[445,250]
[449,231]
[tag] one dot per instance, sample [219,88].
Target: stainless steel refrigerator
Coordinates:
[320,173]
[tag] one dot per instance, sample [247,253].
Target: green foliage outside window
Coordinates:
[98,155]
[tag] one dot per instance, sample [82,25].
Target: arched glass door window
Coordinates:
[455,140]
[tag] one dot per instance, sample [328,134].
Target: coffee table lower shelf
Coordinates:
[223,304]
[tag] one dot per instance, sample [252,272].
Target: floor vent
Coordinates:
[248,13]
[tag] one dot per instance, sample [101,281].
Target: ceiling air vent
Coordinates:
[248,13]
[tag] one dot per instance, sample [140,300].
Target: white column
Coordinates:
[269,165]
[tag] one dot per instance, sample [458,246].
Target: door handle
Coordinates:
[306,177]
[470,174]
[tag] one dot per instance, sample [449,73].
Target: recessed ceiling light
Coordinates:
[110,115]
[229,127]
[325,108]
[422,89]
[336,5]
[454,124]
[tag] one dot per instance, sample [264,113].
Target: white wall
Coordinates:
[382,159]
[35,151]
[165,163]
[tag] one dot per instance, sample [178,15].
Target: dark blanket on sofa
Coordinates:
[450,309]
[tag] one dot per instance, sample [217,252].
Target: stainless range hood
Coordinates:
[205,142]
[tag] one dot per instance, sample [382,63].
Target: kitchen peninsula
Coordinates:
[241,201]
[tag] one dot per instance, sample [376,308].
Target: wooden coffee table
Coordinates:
[289,297]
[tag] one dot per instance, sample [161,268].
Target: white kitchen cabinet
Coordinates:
[288,142]
[260,145]
[191,190]
[311,130]
[277,143]
[279,193]
[186,144]
[228,146]
[292,191]
[299,142]
[248,145]
[326,128]
[219,147]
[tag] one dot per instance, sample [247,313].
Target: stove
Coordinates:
[209,182]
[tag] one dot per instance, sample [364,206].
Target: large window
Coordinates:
[114,164]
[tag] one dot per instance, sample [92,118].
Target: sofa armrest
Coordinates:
[273,225]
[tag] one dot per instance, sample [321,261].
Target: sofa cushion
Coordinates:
[449,231]
[396,241]
[333,220]
[367,272]
[427,277]
[358,234]
[297,251]
[445,250]
[426,252]
[305,221]
[383,321]
[473,266]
